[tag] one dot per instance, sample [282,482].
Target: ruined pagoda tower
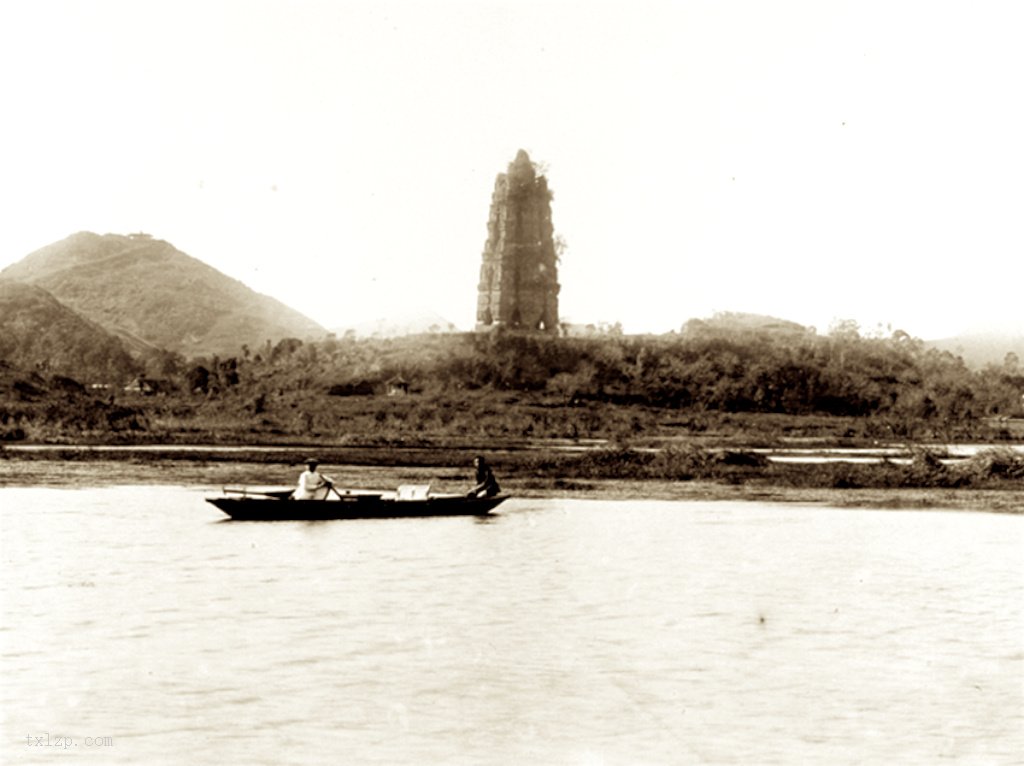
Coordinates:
[519,275]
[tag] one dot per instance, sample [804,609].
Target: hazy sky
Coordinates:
[812,160]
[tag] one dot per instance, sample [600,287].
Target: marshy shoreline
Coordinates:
[992,480]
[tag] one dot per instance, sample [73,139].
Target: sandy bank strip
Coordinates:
[980,500]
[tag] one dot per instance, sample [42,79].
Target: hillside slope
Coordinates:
[37,332]
[151,294]
[980,349]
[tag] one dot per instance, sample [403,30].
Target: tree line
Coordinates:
[702,368]
[895,381]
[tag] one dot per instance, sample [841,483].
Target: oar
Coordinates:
[279,494]
[330,488]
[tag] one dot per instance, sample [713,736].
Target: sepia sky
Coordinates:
[808,160]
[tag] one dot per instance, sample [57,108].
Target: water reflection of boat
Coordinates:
[407,501]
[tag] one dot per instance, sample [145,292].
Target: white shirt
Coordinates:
[312,486]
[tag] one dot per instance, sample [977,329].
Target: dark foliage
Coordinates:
[527,385]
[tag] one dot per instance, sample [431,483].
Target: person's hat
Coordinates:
[312,461]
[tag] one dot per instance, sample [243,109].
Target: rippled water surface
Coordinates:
[555,632]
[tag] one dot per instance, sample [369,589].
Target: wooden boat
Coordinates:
[408,501]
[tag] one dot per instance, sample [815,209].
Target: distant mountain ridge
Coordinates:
[738,321]
[150,294]
[982,348]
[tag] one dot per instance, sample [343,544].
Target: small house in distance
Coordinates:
[398,386]
[144,387]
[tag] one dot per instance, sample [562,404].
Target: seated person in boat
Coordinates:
[313,485]
[486,484]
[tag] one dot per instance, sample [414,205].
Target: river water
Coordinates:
[555,632]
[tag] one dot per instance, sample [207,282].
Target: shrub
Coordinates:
[995,463]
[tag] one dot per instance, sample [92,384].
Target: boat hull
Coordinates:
[352,507]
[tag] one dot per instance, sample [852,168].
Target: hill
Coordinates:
[152,295]
[37,332]
[980,349]
[740,322]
